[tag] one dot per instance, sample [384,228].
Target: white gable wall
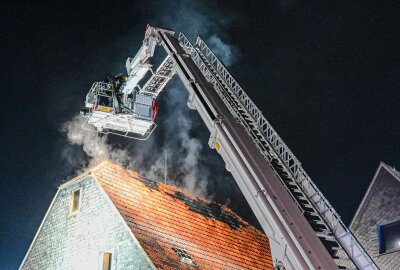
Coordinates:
[78,241]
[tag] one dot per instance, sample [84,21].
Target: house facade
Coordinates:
[376,223]
[111,218]
[79,239]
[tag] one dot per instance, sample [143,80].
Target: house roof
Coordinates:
[382,169]
[173,226]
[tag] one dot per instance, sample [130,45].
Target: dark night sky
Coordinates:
[325,73]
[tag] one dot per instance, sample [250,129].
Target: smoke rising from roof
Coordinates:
[180,133]
[184,150]
[94,145]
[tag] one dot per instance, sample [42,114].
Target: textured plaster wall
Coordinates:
[78,241]
[383,207]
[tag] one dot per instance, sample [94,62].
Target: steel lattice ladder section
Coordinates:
[305,206]
[160,78]
[277,154]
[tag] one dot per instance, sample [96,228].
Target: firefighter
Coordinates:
[117,82]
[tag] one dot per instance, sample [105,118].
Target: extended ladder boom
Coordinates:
[304,230]
[259,160]
[293,243]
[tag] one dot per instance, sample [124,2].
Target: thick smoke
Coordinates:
[94,145]
[183,149]
[180,136]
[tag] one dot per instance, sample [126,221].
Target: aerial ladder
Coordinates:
[304,230]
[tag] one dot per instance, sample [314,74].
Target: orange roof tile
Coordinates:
[166,219]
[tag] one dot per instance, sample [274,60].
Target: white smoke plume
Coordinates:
[95,146]
[180,132]
[183,149]
[200,18]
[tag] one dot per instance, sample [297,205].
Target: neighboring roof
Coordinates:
[382,169]
[168,221]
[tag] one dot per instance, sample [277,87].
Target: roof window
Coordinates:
[75,201]
[184,256]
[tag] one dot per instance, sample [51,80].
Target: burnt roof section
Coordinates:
[162,217]
[209,210]
[148,182]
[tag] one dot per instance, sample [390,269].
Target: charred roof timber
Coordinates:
[209,210]
[149,183]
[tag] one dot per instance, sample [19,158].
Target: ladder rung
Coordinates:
[312,214]
[317,222]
